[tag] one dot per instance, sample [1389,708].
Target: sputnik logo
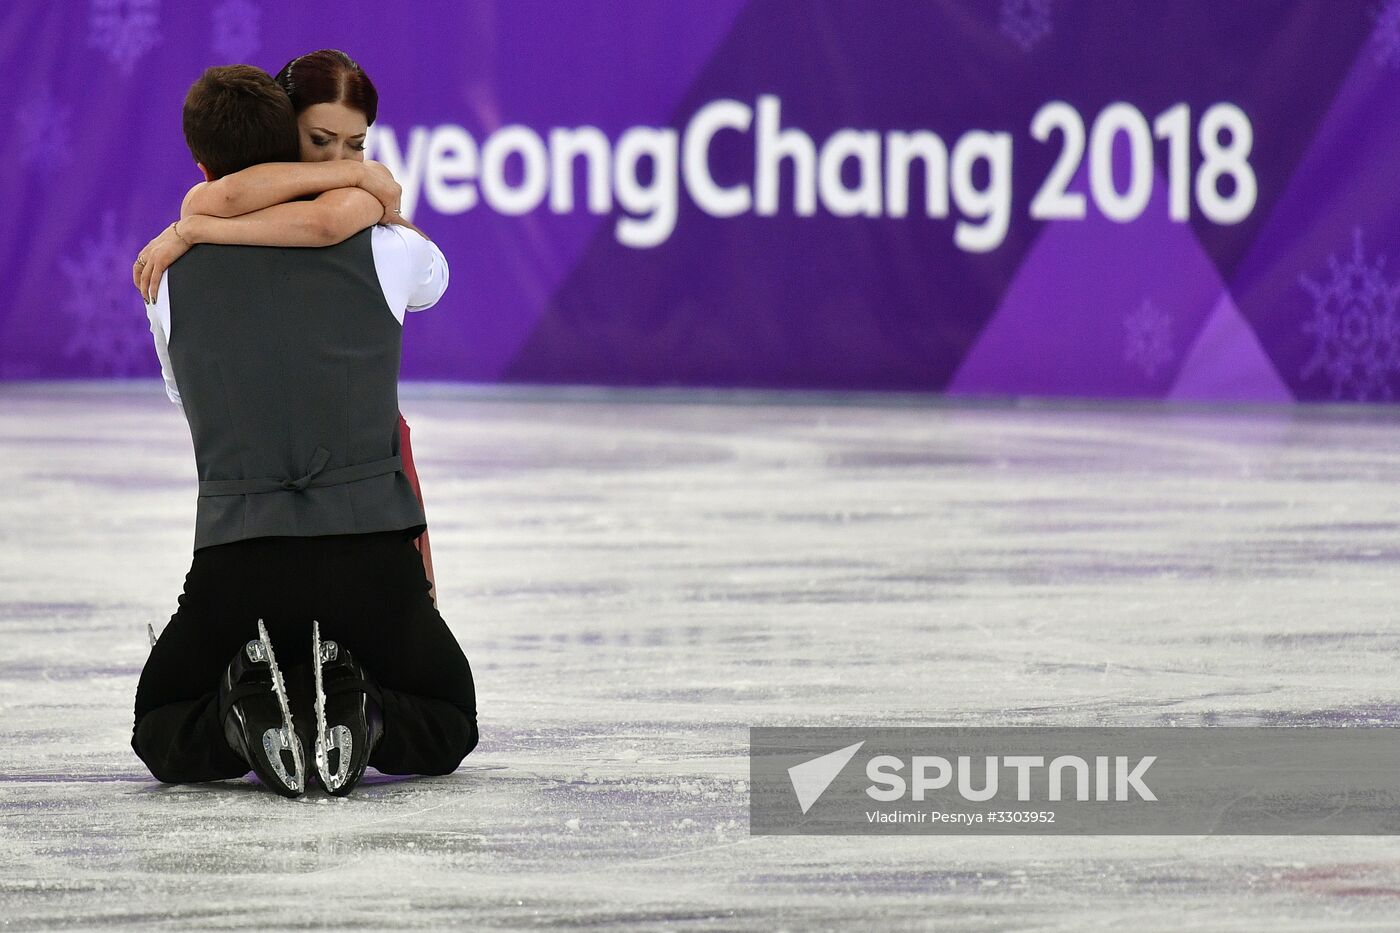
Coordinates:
[811,778]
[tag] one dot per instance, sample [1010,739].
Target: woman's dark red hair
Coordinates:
[329,77]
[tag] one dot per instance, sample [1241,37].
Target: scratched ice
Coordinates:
[639,578]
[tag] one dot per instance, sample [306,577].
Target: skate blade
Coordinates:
[340,739]
[276,740]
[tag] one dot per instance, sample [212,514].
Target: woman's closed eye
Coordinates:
[323,143]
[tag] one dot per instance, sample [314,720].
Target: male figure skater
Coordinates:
[286,362]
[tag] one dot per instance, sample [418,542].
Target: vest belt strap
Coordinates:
[317,475]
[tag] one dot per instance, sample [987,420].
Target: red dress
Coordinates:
[406,451]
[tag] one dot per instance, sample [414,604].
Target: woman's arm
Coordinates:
[270,183]
[264,185]
[331,218]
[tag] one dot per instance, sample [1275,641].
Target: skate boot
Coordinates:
[349,715]
[258,720]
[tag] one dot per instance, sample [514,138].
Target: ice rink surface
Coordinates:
[638,578]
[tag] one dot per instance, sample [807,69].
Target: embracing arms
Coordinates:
[338,212]
[278,182]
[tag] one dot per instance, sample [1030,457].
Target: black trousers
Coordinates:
[368,592]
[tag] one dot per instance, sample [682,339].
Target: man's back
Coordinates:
[287,362]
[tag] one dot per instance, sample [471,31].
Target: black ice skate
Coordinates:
[349,715]
[258,720]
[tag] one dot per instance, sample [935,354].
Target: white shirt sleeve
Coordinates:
[159,314]
[412,270]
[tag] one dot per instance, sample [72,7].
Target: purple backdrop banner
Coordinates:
[1184,199]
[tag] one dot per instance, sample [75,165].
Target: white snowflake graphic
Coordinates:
[104,312]
[1385,39]
[1147,338]
[44,129]
[1025,22]
[125,30]
[237,30]
[1356,327]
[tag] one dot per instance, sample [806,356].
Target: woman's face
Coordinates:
[332,131]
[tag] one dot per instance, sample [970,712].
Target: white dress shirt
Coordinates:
[412,274]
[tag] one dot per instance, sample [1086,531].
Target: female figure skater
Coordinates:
[335,103]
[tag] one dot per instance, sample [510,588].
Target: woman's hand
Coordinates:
[395,219]
[157,256]
[378,181]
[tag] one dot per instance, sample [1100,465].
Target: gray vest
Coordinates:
[287,361]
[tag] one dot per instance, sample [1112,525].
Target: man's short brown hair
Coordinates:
[237,116]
